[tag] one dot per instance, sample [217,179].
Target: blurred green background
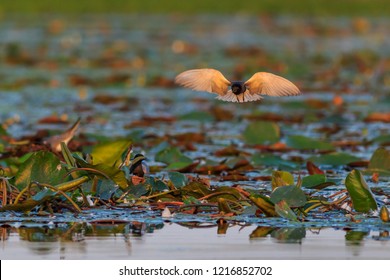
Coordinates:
[301,7]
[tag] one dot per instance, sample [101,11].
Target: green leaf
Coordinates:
[172,155]
[110,153]
[196,190]
[155,185]
[293,195]
[362,198]
[67,155]
[281,178]
[43,194]
[177,165]
[138,190]
[43,167]
[197,116]
[264,204]
[3,131]
[105,189]
[380,162]
[312,181]
[305,143]
[333,159]
[284,211]
[178,179]
[115,174]
[261,133]
[382,139]
[223,206]
[190,200]
[225,192]
[261,159]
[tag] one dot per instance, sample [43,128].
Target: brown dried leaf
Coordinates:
[378,117]
[221,114]
[190,137]
[230,151]
[313,169]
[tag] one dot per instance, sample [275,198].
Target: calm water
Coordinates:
[174,241]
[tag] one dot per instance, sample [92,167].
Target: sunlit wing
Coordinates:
[269,84]
[209,80]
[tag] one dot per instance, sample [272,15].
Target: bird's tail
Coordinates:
[240,98]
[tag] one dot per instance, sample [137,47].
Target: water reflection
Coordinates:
[284,235]
[119,239]
[355,238]
[383,236]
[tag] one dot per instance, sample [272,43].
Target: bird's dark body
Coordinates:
[138,170]
[238,87]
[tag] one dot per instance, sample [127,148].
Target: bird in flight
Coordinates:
[54,142]
[213,81]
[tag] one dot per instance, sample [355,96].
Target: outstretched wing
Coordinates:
[209,80]
[269,84]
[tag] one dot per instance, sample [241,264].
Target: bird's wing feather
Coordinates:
[209,80]
[243,97]
[269,84]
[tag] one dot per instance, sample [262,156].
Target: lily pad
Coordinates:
[284,211]
[41,167]
[264,204]
[110,153]
[171,155]
[382,139]
[293,195]
[362,198]
[334,159]
[197,116]
[3,132]
[305,143]
[43,194]
[195,189]
[178,179]
[260,159]
[138,190]
[262,133]
[316,181]
[155,185]
[226,193]
[380,162]
[281,178]
[105,189]
[103,170]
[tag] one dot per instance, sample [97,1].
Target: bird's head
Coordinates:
[139,156]
[237,88]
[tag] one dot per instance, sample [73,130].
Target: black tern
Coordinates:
[213,81]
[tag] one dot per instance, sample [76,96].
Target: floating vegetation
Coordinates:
[284,165]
